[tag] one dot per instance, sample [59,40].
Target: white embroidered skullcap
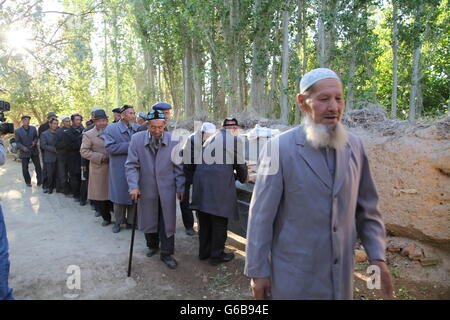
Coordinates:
[316,75]
[64,118]
[208,127]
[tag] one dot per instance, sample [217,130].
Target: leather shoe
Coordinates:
[116,228]
[50,191]
[225,257]
[190,232]
[97,214]
[45,190]
[82,203]
[169,261]
[28,184]
[151,252]
[106,223]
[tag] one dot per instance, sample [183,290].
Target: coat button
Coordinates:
[335,261]
[334,229]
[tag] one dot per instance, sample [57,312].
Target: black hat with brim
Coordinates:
[125,107]
[229,122]
[26,117]
[99,114]
[51,114]
[116,110]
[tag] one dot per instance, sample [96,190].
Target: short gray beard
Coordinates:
[322,136]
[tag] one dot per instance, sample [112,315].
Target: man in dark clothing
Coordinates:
[214,192]
[117,114]
[48,143]
[26,140]
[42,128]
[73,137]
[192,152]
[62,184]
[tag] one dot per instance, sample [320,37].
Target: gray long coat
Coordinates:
[214,185]
[308,224]
[24,139]
[155,177]
[48,144]
[117,141]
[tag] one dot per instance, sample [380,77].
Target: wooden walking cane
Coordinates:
[132,237]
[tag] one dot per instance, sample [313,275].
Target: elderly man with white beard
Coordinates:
[306,215]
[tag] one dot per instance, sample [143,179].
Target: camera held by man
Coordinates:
[5,128]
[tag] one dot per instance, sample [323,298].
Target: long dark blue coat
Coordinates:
[117,140]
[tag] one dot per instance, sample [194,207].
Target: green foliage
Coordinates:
[69,69]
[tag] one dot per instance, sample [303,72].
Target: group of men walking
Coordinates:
[314,193]
[127,167]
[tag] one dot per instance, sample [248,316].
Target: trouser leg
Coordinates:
[75,178]
[37,168]
[119,213]
[204,235]
[5,290]
[218,235]
[25,172]
[131,211]
[44,172]
[61,174]
[51,174]
[104,208]
[186,213]
[152,240]
[167,243]
[84,186]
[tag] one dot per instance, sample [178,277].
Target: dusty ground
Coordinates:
[49,233]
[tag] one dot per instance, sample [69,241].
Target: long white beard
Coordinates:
[322,136]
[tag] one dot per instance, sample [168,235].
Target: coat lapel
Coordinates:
[313,158]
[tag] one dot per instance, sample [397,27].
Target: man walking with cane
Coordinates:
[155,180]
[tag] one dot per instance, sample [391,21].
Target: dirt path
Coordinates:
[49,233]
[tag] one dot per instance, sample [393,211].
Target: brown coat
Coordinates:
[93,149]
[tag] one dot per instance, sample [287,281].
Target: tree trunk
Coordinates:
[285,70]
[187,78]
[394,60]
[259,64]
[413,97]
[351,81]
[105,66]
[325,31]
[196,64]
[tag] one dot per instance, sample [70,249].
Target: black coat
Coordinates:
[214,188]
[73,137]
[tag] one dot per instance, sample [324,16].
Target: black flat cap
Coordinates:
[116,110]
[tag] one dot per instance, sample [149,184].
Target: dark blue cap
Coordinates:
[161,106]
[156,115]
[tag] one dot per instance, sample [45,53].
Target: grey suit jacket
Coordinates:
[48,144]
[24,139]
[303,227]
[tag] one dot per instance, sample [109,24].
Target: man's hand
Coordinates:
[180,196]
[25,149]
[134,194]
[387,286]
[261,288]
